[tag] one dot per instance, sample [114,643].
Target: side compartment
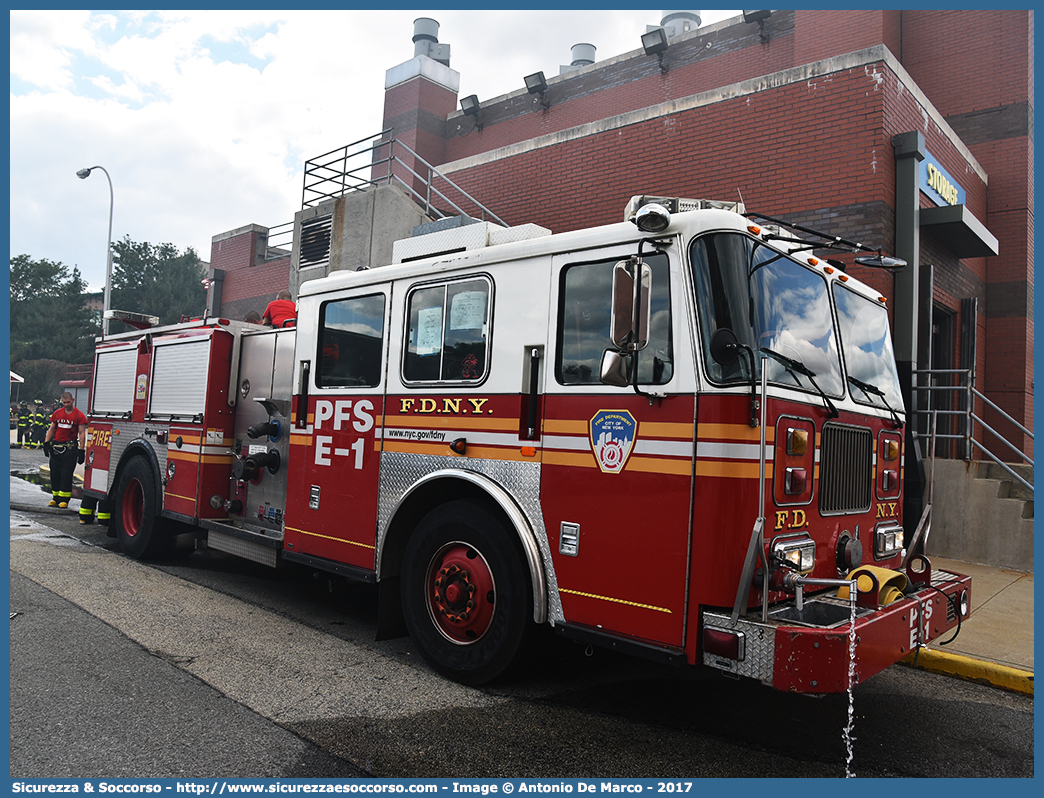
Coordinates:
[248,501]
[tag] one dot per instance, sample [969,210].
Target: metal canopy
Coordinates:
[957,228]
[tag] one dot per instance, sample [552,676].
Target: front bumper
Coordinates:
[808,652]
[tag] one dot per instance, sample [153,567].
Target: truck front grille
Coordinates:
[845,470]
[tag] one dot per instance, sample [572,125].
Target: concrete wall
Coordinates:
[365,226]
[979,518]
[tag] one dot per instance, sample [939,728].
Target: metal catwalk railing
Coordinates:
[960,384]
[376,160]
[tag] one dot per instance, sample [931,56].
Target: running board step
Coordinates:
[242,543]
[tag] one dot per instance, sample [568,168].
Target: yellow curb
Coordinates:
[974,670]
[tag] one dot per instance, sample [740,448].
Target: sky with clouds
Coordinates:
[204,119]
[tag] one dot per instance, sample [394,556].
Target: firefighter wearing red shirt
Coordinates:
[280,311]
[65,444]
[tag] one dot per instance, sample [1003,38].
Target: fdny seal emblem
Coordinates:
[612,437]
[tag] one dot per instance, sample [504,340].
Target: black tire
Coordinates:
[138,528]
[466,595]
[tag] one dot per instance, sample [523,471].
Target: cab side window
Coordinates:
[447,339]
[351,342]
[585,302]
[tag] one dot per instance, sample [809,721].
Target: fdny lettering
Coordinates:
[449,406]
[790,519]
[887,509]
[345,416]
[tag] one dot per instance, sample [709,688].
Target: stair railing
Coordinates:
[965,391]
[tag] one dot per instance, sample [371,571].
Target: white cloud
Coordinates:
[204,119]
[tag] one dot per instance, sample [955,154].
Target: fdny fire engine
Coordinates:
[680,436]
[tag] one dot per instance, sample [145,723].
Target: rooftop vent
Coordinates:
[426,41]
[678,23]
[582,55]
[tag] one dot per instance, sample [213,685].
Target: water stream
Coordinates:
[846,734]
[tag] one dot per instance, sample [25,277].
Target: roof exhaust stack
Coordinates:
[678,23]
[582,55]
[426,41]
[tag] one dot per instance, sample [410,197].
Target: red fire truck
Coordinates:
[680,436]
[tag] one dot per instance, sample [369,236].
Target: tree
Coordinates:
[42,378]
[157,280]
[49,316]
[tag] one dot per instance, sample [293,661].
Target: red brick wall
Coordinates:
[978,70]
[234,252]
[247,285]
[823,34]
[969,60]
[416,112]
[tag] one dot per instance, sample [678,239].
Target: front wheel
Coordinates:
[465,592]
[138,528]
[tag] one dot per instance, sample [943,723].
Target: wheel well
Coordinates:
[440,490]
[419,503]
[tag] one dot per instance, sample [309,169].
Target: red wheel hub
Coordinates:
[461,593]
[132,508]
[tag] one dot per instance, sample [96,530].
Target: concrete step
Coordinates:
[1007,486]
[971,521]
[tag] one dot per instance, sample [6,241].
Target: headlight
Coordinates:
[888,541]
[798,553]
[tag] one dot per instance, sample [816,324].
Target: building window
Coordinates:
[351,342]
[448,333]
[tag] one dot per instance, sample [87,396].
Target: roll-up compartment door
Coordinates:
[179,378]
[114,376]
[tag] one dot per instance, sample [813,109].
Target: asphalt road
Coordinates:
[212,666]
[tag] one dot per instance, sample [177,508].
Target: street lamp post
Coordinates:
[83,174]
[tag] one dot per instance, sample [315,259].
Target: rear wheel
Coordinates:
[465,592]
[138,528]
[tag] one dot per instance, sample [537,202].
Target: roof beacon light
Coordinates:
[652,218]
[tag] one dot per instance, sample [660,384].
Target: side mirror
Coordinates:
[613,370]
[724,346]
[632,305]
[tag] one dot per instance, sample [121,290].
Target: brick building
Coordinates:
[858,123]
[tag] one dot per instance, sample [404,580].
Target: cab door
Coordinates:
[616,483]
[338,405]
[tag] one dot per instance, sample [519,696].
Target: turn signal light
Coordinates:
[797,441]
[890,450]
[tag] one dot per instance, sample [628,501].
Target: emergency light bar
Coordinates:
[679,205]
[140,321]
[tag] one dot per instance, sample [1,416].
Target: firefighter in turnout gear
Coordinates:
[25,424]
[65,444]
[40,423]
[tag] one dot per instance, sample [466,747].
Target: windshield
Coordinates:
[770,302]
[867,347]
